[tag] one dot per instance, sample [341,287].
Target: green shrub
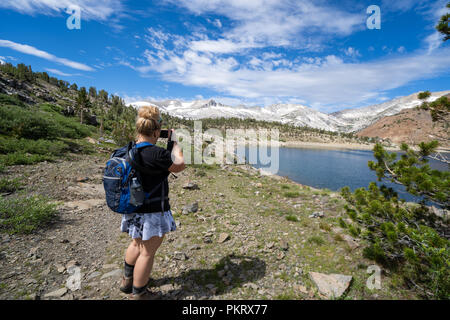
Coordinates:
[25,215]
[292,218]
[24,123]
[10,100]
[324,226]
[317,240]
[69,127]
[51,107]
[32,123]
[291,194]
[16,158]
[375,252]
[42,147]
[424,95]
[354,231]
[7,185]
[408,239]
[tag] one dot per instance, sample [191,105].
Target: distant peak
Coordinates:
[211,102]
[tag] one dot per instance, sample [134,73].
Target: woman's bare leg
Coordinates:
[132,252]
[144,262]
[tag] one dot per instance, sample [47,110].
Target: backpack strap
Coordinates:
[135,164]
[143,144]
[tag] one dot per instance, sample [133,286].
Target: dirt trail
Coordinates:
[253,237]
[86,236]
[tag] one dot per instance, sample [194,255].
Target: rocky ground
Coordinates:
[239,235]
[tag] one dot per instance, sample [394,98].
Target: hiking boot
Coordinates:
[126,286]
[146,295]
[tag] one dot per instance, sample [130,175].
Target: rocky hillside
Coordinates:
[361,118]
[411,126]
[110,115]
[239,235]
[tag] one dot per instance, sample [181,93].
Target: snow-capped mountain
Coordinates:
[295,114]
[360,118]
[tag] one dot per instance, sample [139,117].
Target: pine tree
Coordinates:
[74,87]
[103,95]
[424,95]
[83,103]
[93,92]
[407,238]
[439,109]
[442,26]
[45,77]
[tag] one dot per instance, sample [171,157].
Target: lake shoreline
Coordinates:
[319,145]
[332,146]
[346,146]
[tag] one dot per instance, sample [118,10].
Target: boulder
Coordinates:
[318,214]
[112,274]
[45,96]
[57,293]
[284,245]
[350,241]
[223,237]
[180,256]
[69,111]
[92,120]
[191,208]
[191,186]
[331,285]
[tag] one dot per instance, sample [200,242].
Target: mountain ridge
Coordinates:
[348,120]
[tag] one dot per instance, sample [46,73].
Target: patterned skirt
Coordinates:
[147,225]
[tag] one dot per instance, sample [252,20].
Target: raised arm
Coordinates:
[177,155]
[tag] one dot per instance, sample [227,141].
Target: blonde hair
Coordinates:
[148,120]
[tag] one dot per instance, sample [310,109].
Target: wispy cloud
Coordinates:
[60,73]
[321,82]
[352,52]
[44,55]
[91,9]
[260,23]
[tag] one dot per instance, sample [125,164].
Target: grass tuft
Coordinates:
[25,215]
[7,185]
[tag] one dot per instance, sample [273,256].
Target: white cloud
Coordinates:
[259,23]
[230,65]
[433,41]
[44,55]
[216,22]
[221,46]
[322,82]
[60,73]
[90,9]
[352,52]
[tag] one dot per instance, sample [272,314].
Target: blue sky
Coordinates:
[254,52]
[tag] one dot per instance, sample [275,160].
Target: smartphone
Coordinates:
[164,134]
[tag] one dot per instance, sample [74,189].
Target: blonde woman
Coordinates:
[148,225]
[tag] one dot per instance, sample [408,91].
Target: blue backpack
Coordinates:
[121,180]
